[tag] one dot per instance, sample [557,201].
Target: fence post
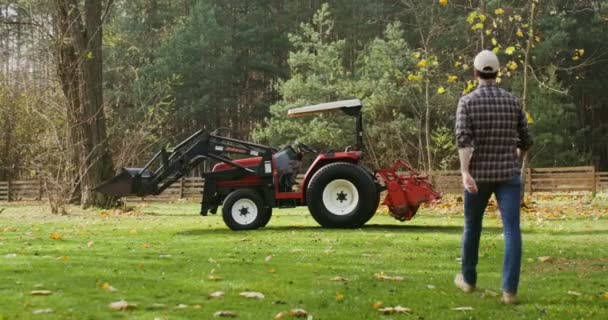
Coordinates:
[39,189]
[8,190]
[181,188]
[528,185]
[594,180]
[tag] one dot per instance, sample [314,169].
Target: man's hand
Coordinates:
[469,183]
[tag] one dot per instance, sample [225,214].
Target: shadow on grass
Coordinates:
[366,228]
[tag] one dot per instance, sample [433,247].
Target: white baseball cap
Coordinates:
[486,62]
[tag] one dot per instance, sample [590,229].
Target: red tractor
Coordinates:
[249,179]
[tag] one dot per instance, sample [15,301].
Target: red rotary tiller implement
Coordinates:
[338,190]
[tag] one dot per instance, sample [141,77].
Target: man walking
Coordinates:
[492,137]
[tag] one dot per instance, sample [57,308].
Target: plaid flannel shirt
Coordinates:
[491,121]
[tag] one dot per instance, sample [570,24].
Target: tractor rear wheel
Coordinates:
[244,209]
[342,195]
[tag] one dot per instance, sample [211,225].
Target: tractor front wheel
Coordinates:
[244,209]
[342,195]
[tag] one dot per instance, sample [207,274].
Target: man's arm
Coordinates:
[525,139]
[464,140]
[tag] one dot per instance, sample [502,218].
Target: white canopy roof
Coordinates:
[324,107]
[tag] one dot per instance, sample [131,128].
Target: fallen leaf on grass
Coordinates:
[90,244]
[397,309]
[252,294]
[463,309]
[216,294]
[41,311]
[378,305]
[279,316]
[272,270]
[197,306]
[181,306]
[107,287]
[298,313]
[490,293]
[605,295]
[56,236]
[122,305]
[545,259]
[382,277]
[225,314]
[574,293]
[215,278]
[267,259]
[339,279]
[430,286]
[340,297]
[41,292]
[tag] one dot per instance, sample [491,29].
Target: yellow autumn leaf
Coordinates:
[443,3]
[413,77]
[416,55]
[496,50]
[421,63]
[56,236]
[580,52]
[510,50]
[339,297]
[471,18]
[457,64]
[441,90]
[519,33]
[499,11]
[215,278]
[605,295]
[465,67]
[471,84]
[531,121]
[537,38]
[380,304]
[107,287]
[298,313]
[512,65]
[574,58]
[452,78]
[494,41]
[498,80]
[476,26]
[488,32]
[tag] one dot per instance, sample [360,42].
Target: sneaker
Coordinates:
[463,285]
[509,298]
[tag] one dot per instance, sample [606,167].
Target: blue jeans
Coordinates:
[507,195]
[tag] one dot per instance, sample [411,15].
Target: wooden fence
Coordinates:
[567,179]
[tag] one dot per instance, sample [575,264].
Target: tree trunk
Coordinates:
[80,69]
[524,104]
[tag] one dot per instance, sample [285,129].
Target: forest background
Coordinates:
[90,86]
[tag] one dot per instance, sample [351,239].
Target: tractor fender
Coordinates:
[324,159]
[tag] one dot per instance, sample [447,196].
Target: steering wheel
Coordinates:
[305,148]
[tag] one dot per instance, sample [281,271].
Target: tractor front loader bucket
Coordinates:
[129,182]
[406,191]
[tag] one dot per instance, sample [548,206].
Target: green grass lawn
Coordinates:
[170,256]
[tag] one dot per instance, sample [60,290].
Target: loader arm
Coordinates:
[168,166]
